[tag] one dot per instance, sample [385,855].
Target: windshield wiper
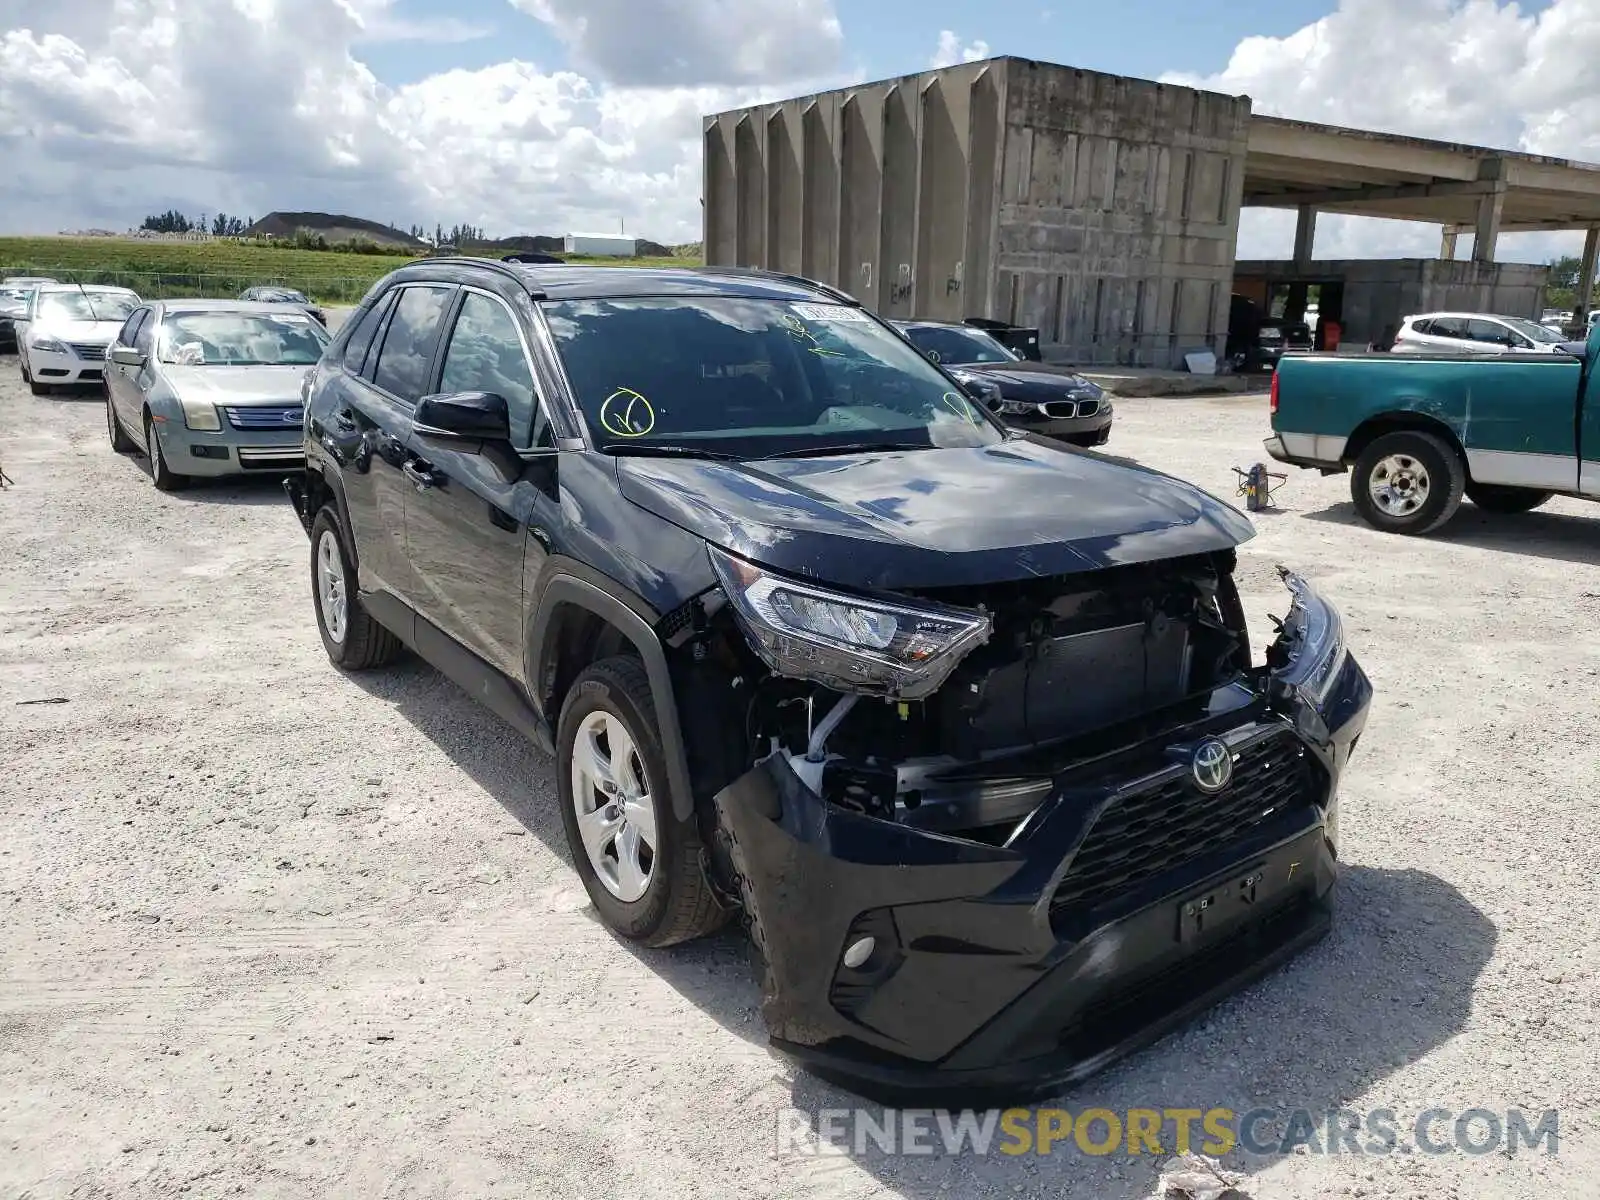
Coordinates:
[664,450]
[846,448]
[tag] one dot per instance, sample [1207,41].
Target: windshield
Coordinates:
[753,377]
[230,339]
[1532,331]
[87,305]
[947,345]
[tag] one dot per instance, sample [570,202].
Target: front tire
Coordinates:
[1497,498]
[353,640]
[164,477]
[1409,482]
[642,867]
[39,389]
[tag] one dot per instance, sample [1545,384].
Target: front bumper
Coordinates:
[1081,431]
[230,451]
[1000,972]
[82,364]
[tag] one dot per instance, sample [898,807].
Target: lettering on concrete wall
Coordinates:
[902,284]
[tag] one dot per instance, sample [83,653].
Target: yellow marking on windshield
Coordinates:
[802,334]
[635,420]
[959,405]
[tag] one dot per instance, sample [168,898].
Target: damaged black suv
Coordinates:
[963,722]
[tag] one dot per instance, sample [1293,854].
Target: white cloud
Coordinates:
[111,109]
[951,51]
[1482,72]
[666,42]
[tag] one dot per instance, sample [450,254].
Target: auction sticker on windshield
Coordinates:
[828,312]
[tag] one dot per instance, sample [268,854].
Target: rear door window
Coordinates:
[360,341]
[407,351]
[1448,327]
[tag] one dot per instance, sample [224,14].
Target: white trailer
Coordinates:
[610,244]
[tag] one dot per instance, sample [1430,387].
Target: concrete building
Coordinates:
[1102,210]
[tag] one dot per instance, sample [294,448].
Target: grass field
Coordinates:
[155,269]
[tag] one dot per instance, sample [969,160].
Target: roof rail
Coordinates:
[492,264]
[763,273]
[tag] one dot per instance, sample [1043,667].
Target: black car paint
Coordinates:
[475,553]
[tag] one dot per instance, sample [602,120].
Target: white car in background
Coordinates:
[63,337]
[1473,333]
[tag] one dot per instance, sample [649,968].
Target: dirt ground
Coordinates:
[267,929]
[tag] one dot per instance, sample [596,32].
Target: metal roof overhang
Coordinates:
[1336,170]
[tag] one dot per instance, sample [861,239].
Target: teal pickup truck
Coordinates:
[1417,432]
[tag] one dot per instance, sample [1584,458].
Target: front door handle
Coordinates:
[420,474]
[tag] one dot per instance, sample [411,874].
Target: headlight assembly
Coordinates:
[200,416]
[50,345]
[848,643]
[1313,642]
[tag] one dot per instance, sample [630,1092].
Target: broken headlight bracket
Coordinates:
[1310,651]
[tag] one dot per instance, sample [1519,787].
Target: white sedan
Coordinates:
[62,338]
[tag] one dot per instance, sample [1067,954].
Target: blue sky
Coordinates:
[892,37]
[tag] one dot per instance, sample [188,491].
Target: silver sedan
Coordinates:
[211,387]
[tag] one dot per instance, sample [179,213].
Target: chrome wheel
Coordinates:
[616,814]
[1399,485]
[331,598]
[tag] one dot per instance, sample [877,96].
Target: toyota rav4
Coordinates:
[963,723]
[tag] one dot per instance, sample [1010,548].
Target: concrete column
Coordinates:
[1447,243]
[1305,235]
[1585,289]
[1487,229]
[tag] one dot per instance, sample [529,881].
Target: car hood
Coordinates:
[932,518]
[236,385]
[1027,373]
[76,331]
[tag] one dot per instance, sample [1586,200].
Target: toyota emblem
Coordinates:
[1212,765]
[291,416]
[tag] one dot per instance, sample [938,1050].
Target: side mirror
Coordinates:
[127,356]
[1576,349]
[466,416]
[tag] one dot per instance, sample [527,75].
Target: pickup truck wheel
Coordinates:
[642,867]
[353,640]
[1496,498]
[1408,482]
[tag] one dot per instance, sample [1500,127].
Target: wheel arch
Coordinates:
[323,489]
[1400,421]
[579,622]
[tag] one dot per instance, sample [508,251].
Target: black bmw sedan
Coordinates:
[1034,396]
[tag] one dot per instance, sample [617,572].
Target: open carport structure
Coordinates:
[1464,189]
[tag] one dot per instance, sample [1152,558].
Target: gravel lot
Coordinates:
[275,931]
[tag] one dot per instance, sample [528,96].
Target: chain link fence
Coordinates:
[165,285]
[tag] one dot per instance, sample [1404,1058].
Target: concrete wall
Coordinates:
[1380,293]
[885,190]
[1118,214]
[1103,210]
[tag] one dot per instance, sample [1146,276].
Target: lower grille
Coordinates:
[271,458]
[1172,822]
[276,416]
[89,351]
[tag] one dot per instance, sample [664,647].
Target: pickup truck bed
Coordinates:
[1420,432]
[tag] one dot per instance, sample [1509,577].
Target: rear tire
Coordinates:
[1408,482]
[164,477]
[120,441]
[1497,498]
[353,640]
[611,702]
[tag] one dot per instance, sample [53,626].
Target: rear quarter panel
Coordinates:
[1521,404]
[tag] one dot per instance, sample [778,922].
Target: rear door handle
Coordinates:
[420,474]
